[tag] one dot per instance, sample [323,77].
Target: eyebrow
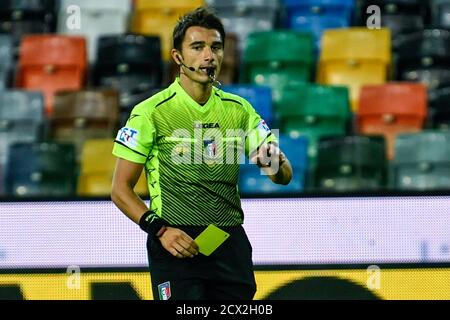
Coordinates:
[195,43]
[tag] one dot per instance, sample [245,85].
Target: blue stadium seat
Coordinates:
[260,98]
[318,15]
[252,182]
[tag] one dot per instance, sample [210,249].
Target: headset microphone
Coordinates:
[182,63]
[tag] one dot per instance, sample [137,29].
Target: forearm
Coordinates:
[128,202]
[281,176]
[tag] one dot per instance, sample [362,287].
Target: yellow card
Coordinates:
[210,239]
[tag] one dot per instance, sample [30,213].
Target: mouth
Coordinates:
[209,70]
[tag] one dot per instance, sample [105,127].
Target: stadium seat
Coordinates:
[318,15]
[19,18]
[252,182]
[313,111]
[97,18]
[21,119]
[129,63]
[391,109]
[399,16]
[159,17]
[96,176]
[6,59]
[41,169]
[51,63]
[351,163]
[82,115]
[260,98]
[425,56]
[354,57]
[243,17]
[276,58]
[422,161]
[439,108]
[440,13]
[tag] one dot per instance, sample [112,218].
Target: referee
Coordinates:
[188,138]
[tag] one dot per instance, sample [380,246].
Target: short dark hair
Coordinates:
[200,17]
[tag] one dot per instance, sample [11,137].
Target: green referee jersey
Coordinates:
[192,153]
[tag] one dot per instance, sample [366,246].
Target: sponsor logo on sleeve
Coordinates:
[128,137]
[263,128]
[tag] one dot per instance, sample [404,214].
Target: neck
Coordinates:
[200,92]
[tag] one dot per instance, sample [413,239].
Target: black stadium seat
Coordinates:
[19,17]
[129,63]
[41,169]
[425,56]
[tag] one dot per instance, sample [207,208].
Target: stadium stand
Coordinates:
[313,111]
[391,109]
[21,120]
[355,57]
[439,109]
[97,18]
[41,169]
[351,163]
[6,60]
[317,16]
[19,18]
[158,18]
[82,115]
[422,161]
[129,63]
[95,177]
[260,97]
[253,183]
[50,63]
[425,56]
[440,10]
[243,17]
[290,59]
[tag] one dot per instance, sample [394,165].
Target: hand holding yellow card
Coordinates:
[210,239]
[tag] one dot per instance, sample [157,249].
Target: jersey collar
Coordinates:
[191,102]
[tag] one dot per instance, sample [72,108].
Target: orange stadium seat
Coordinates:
[51,63]
[159,17]
[96,176]
[391,109]
[355,57]
[82,115]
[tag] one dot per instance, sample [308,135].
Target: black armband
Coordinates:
[151,223]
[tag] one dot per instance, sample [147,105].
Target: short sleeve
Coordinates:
[258,131]
[135,141]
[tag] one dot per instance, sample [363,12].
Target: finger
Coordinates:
[185,253]
[190,242]
[175,253]
[189,246]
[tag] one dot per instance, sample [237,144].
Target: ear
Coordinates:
[176,56]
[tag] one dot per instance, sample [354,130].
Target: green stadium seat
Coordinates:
[422,161]
[351,163]
[313,111]
[277,58]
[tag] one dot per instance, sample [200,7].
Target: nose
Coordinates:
[208,54]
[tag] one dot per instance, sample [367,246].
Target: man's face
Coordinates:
[202,49]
